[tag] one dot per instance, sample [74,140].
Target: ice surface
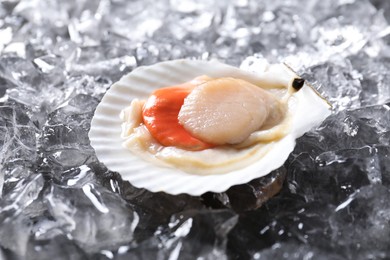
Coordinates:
[365,214]
[295,251]
[92,216]
[190,234]
[17,213]
[57,59]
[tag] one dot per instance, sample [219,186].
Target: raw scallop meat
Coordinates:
[225,110]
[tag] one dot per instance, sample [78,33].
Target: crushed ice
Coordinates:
[59,57]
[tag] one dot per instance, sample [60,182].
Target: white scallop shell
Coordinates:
[105,133]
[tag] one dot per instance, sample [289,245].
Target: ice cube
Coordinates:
[92,216]
[360,225]
[16,217]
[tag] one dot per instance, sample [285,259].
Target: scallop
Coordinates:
[252,120]
[226,110]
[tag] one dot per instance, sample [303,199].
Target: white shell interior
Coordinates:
[105,134]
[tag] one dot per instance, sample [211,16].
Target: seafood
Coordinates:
[233,125]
